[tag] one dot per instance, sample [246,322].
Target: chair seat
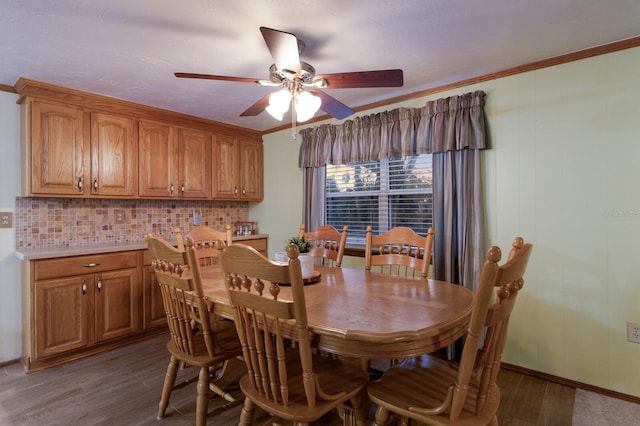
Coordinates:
[423,382]
[333,376]
[227,346]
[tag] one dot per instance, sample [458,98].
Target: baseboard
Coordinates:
[4,363]
[571,383]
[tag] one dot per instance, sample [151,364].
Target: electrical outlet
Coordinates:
[633,332]
[6,219]
[119,214]
[197,217]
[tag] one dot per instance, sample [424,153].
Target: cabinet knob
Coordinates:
[182,188]
[90,265]
[84,287]
[80,185]
[99,284]
[244,191]
[172,188]
[235,191]
[95,184]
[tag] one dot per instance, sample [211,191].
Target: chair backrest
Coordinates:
[178,274]
[208,242]
[253,283]
[399,251]
[327,244]
[492,319]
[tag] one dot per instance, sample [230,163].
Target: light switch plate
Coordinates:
[119,216]
[6,219]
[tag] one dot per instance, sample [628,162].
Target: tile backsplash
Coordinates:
[63,222]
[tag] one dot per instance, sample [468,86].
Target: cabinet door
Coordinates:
[154,313]
[114,155]
[62,309]
[118,298]
[260,244]
[251,170]
[226,163]
[194,163]
[59,152]
[158,153]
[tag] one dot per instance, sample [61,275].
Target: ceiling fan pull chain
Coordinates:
[294,134]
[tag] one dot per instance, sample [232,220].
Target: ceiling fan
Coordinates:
[299,82]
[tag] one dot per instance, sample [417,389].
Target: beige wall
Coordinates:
[563,173]
[10,328]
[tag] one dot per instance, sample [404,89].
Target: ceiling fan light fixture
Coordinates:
[279,104]
[306,106]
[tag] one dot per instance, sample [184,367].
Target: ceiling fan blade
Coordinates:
[379,78]
[332,106]
[217,77]
[258,107]
[284,49]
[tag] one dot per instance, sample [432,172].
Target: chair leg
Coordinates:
[247,413]
[381,417]
[358,410]
[167,387]
[202,397]
[229,375]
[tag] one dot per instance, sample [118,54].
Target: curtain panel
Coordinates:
[453,129]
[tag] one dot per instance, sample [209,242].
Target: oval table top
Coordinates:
[362,314]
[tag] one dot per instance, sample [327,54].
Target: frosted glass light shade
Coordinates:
[279,103]
[306,105]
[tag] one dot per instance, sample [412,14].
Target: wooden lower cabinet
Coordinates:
[154,313]
[62,315]
[259,243]
[118,309]
[84,304]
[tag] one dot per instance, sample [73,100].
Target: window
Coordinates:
[384,194]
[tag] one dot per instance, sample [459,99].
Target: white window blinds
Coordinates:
[384,194]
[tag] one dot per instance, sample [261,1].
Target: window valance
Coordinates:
[447,124]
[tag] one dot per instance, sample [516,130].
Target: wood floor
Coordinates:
[122,387]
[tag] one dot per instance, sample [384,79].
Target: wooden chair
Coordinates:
[198,338]
[208,242]
[327,244]
[399,251]
[284,379]
[431,390]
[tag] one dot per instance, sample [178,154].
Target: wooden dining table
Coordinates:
[361,315]
[366,315]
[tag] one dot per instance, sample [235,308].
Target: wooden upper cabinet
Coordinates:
[194,163]
[174,161]
[238,169]
[114,155]
[82,145]
[226,161]
[57,149]
[158,153]
[76,153]
[251,170]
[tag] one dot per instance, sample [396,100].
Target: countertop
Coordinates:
[53,252]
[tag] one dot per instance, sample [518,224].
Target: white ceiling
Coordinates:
[130,49]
